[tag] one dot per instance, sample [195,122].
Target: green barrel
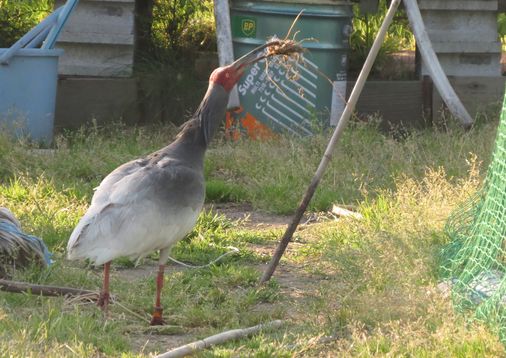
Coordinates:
[292,99]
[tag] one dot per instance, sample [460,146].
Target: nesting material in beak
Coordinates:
[272,48]
[251,57]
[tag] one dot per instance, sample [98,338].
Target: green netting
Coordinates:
[474,263]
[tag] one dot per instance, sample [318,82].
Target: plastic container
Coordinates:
[28,93]
[313,95]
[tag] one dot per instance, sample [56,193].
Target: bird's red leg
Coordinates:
[103,299]
[157,319]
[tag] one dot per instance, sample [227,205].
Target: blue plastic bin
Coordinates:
[28,93]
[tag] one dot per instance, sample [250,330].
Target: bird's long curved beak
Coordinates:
[253,56]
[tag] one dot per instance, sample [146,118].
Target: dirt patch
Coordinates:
[152,342]
[145,270]
[297,288]
[293,279]
[296,284]
[249,218]
[245,216]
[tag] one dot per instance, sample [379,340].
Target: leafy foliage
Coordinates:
[501,27]
[183,25]
[175,31]
[365,27]
[18,16]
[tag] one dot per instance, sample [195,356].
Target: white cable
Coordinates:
[233,250]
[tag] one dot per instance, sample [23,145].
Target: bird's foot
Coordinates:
[103,300]
[156,319]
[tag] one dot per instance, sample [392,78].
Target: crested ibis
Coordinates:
[151,203]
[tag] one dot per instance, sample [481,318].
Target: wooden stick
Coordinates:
[435,70]
[20,287]
[340,211]
[350,106]
[220,338]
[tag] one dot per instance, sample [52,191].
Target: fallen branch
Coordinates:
[21,287]
[343,212]
[217,339]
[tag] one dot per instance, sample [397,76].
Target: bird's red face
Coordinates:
[227,76]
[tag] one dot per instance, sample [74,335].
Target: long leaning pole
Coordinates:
[348,110]
[434,67]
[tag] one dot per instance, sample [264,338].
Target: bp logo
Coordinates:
[244,26]
[248,27]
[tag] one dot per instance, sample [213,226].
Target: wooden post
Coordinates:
[427,90]
[143,19]
[435,70]
[350,106]
[224,40]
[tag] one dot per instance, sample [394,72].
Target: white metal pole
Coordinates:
[224,40]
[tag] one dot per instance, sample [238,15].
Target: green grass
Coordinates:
[273,175]
[399,37]
[221,191]
[364,288]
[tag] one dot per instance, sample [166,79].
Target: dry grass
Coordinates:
[347,288]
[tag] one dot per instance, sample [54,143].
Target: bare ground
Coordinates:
[295,284]
[245,216]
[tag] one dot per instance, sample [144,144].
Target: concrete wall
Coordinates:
[418,103]
[479,95]
[99,42]
[464,36]
[82,100]
[98,39]
[399,103]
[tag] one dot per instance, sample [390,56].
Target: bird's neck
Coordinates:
[211,112]
[187,151]
[192,142]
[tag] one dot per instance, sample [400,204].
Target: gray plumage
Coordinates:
[150,203]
